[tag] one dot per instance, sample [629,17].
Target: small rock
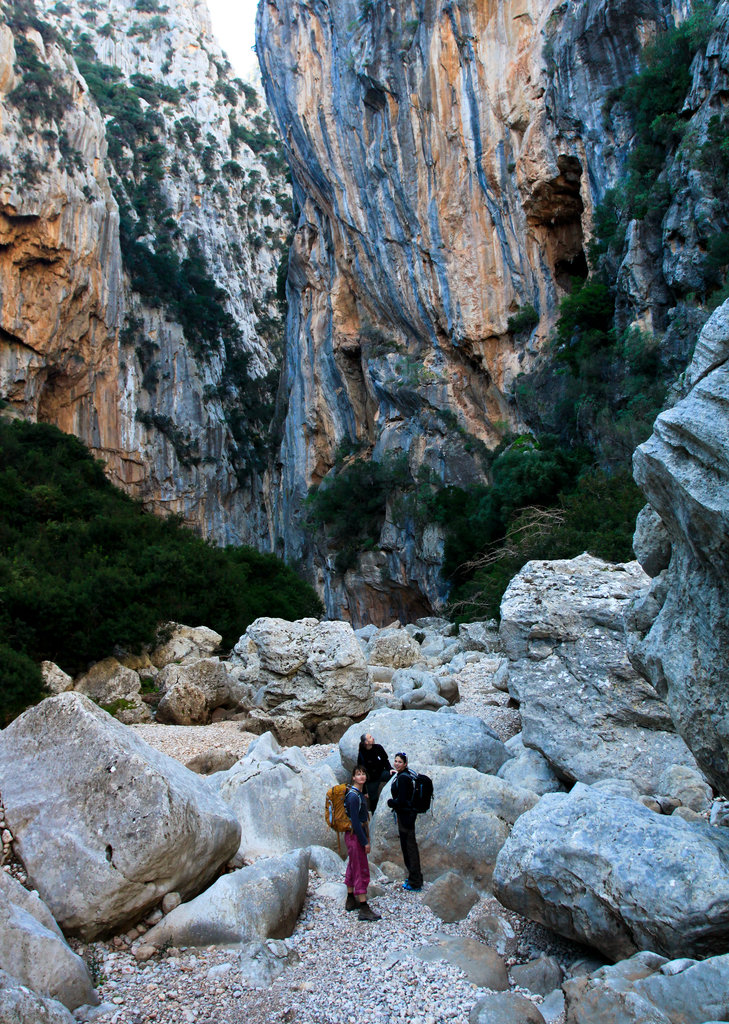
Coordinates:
[170,901]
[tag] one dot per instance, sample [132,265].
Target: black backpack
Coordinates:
[422,792]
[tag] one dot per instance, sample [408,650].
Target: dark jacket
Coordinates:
[356,807]
[375,761]
[401,798]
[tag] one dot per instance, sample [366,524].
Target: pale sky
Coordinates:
[234,24]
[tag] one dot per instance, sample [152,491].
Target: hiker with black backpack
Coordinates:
[377,765]
[402,801]
[357,875]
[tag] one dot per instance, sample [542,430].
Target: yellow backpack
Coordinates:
[334,812]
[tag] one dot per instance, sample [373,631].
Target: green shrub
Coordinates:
[351,505]
[22,683]
[596,515]
[83,569]
[523,321]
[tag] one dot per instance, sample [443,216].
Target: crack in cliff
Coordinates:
[13,340]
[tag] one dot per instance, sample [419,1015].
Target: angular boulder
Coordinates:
[19,1005]
[528,768]
[278,799]
[106,825]
[650,988]
[185,644]
[428,739]
[468,823]
[116,689]
[34,951]
[394,648]
[191,691]
[260,901]
[608,872]
[583,705]
[482,965]
[311,670]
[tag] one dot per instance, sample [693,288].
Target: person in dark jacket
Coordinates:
[401,801]
[357,875]
[376,764]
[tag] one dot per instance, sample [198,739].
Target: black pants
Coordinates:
[373,788]
[410,853]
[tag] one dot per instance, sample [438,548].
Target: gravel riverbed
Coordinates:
[343,970]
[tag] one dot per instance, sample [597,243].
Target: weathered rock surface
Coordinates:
[528,768]
[311,670]
[18,1005]
[482,965]
[428,739]
[680,630]
[650,988]
[117,689]
[278,800]
[505,1008]
[450,897]
[185,644]
[34,951]
[469,821]
[192,690]
[606,871]
[55,679]
[259,901]
[104,824]
[583,705]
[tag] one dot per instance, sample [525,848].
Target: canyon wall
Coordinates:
[143,215]
[446,159]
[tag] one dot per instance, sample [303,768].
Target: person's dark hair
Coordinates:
[358,768]
[403,757]
[362,738]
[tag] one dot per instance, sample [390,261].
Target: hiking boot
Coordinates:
[351,903]
[409,887]
[366,913]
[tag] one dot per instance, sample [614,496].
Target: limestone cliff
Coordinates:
[143,215]
[678,629]
[447,159]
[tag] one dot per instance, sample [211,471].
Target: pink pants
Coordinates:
[357,875]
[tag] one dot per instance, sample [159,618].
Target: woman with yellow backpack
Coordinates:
[357,875]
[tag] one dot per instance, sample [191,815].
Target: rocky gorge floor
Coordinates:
[343,969]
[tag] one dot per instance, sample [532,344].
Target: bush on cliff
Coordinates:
[84,569]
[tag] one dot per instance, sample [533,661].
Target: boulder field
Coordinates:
[599,832]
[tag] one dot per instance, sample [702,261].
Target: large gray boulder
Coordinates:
[528,768]
[184,644]
[277,798]
[256,902]
[649,989]
[311,670]
[34,951]
[19,1005]
[206,679]
[104,824]
[680,636]
[468,823]
[428,739]
[583,705]
[605,871]
[115,688]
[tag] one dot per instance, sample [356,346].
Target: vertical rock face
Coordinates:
[142,219]
[679,631]
[446,160]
